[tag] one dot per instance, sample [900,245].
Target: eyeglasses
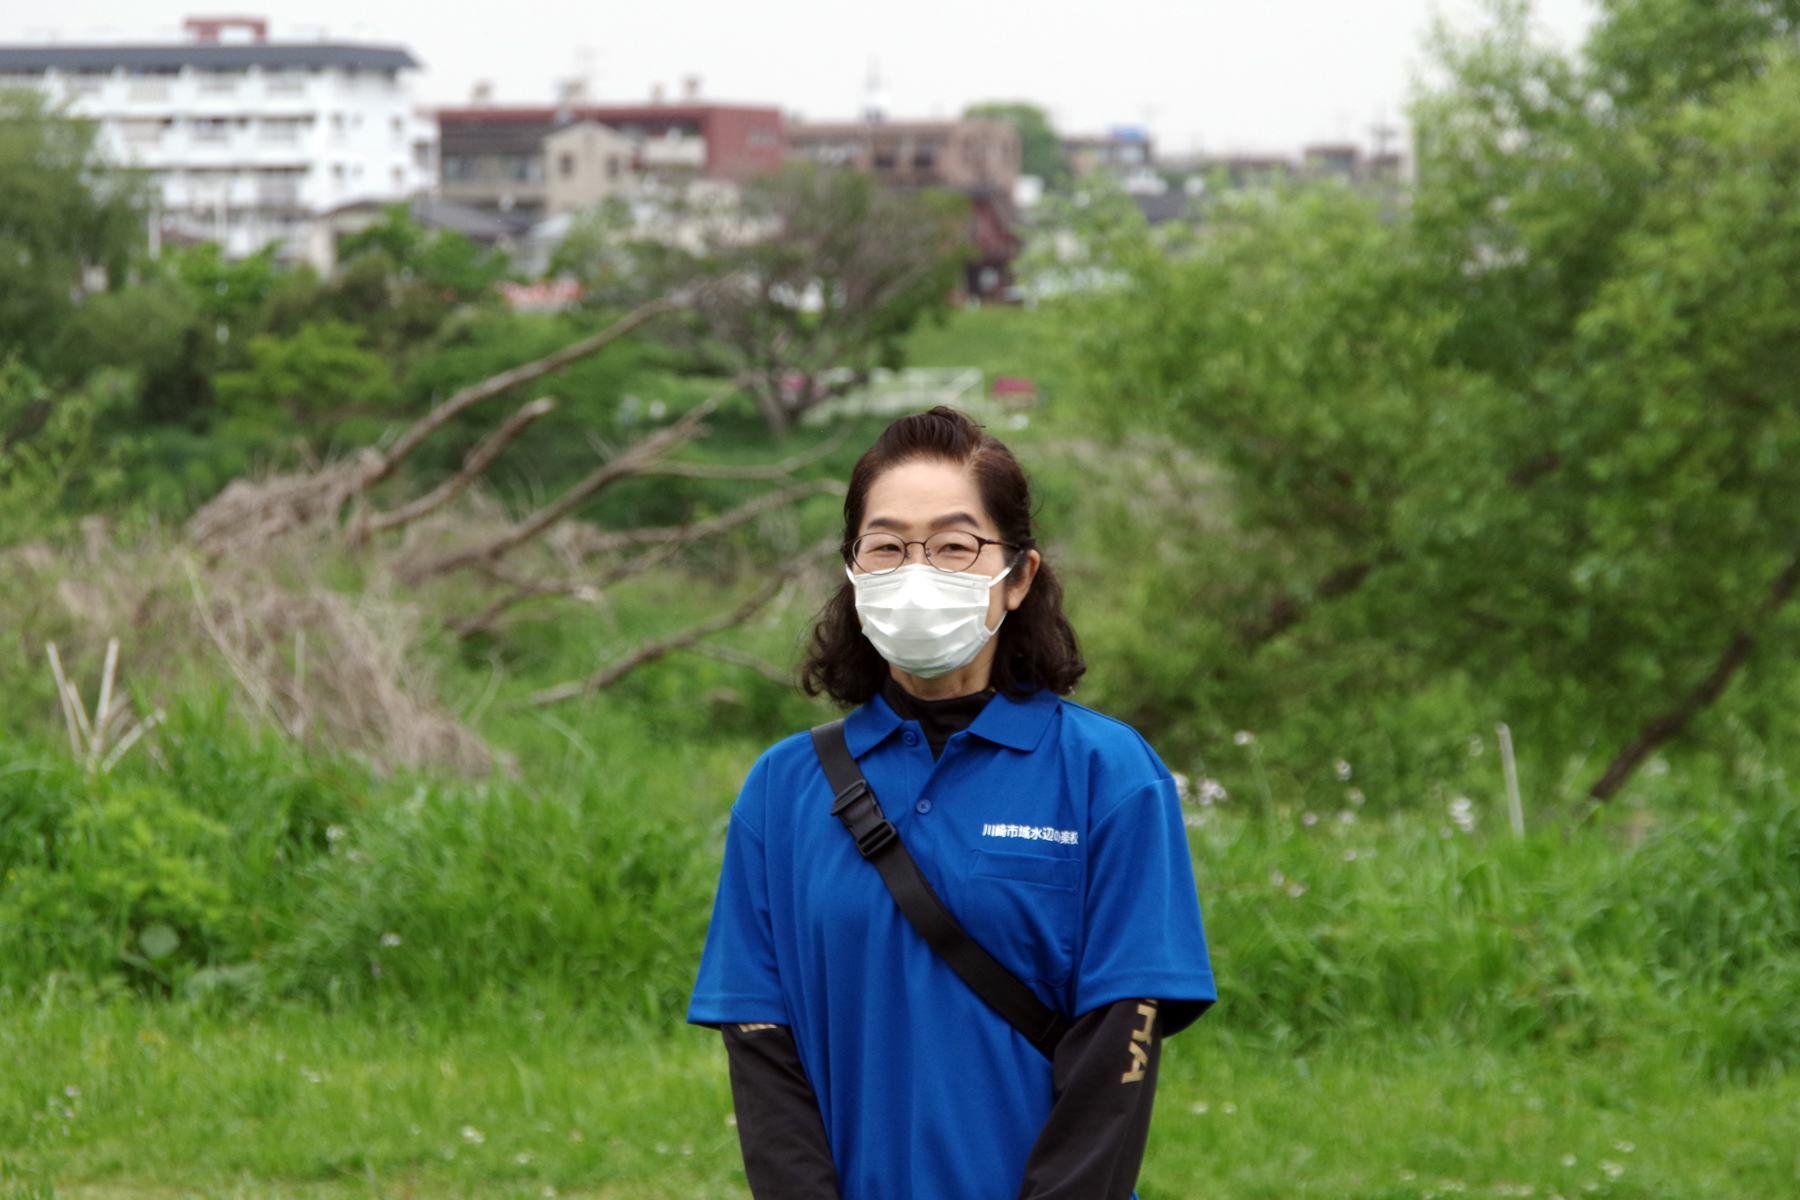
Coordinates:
[950,550]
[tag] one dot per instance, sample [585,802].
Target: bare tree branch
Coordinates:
[524,587]
[1661,729]
[632,462]
[495,384]
[778,470]
[252,513]
[477,461]
[743,658]
[608,541]
[667,540]
[657,647]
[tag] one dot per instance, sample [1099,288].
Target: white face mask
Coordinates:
[925,621]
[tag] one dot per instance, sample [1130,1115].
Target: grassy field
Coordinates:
[1406,1014]
[142,1099]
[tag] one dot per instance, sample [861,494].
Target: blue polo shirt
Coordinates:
[1055,836]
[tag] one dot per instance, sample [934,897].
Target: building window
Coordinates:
[459,166]
[759,137]
[925,158]
[279,186]
[284,83]
[566,164]
[612,166]
[282,129]
[141,132]
[211,129]
[522,168]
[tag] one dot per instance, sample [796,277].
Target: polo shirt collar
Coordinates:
[1017,724]
[865,728]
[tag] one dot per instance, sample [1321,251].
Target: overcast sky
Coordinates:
[1218,75]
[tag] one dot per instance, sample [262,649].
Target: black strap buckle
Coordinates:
[861,814]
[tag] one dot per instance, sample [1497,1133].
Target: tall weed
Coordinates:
[1325,923]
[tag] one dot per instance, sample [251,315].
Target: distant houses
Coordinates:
[253,142]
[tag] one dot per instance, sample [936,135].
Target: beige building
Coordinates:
[584,163]
[538,173]
[979,157]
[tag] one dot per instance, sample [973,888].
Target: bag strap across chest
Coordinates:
[878,841]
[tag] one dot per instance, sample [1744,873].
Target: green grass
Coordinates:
[506,1100]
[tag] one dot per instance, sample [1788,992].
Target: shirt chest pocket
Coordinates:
[1025,910]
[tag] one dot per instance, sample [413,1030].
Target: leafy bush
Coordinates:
[156,870]
[227,861]
[456,892]
[1327,923]
[234,868]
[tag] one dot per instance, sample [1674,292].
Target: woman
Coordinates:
[863,1066]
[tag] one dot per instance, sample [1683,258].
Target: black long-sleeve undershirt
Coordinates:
[786,1154]
[1092,1144]
[1090,1147]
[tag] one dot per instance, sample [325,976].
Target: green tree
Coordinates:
[802,286]
[306,382]
[63,213]
[1538,433]
[1040,151]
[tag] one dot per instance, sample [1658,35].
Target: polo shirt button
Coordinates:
[912,739]
[923,806]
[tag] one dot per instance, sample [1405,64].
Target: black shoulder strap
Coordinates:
[855,805]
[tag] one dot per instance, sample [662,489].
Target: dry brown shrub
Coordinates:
[322,667]
[251,513]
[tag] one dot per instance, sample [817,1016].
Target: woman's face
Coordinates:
[925,496]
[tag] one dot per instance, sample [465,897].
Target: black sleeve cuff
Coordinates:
[786,1154]
[1092,1145]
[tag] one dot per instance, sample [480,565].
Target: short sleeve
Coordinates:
[739,981]
[1142,934]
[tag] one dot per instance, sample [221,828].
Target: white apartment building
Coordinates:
[247,140]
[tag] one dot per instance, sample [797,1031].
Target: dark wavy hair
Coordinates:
[1036,645]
